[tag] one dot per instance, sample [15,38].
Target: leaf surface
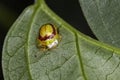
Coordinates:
[77,57]
[103,16]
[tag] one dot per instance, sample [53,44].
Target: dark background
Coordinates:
[69,10]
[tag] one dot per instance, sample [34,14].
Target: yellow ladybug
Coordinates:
[48,36]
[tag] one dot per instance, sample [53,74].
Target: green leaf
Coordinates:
[77,57]
[103,16]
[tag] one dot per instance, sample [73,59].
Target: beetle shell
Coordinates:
[48,36]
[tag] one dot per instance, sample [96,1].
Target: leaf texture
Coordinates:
[103,16]
[77,57]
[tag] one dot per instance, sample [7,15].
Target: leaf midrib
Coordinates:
[36,8]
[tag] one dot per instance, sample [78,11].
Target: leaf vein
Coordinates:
[80,57]
[112,71]
[102,20]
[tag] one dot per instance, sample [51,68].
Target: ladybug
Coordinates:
[48,36]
